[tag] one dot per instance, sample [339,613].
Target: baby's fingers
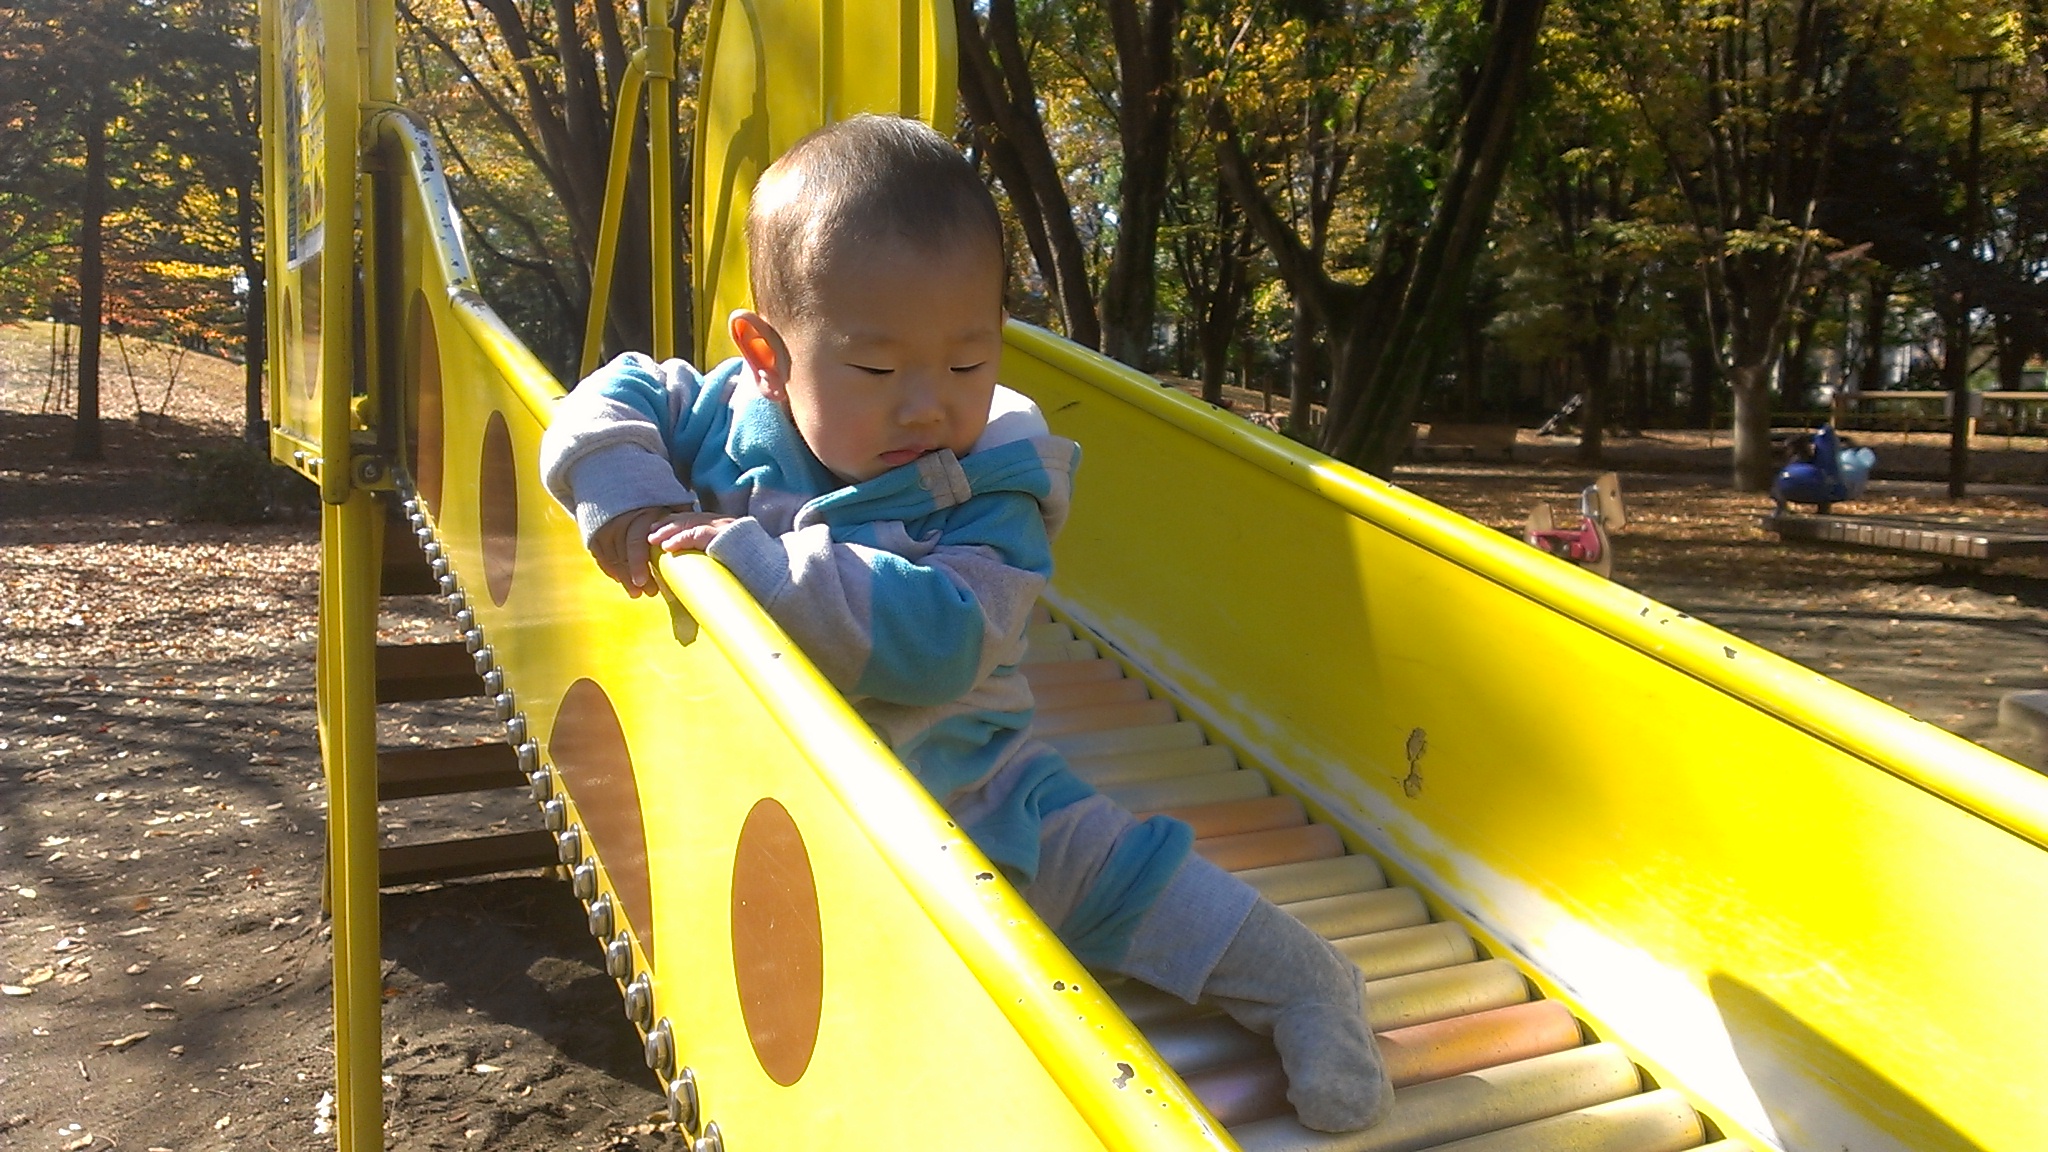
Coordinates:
[676,540]
[636,563]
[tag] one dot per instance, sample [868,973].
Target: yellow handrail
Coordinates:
[653,68]
[614,207]
[661,150]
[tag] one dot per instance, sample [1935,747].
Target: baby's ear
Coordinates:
[762,347]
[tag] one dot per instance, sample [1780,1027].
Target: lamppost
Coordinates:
[1975,77]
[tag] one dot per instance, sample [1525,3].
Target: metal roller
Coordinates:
[1463,1106]
[1050,632]
[1208,788]
[1399,951]
[1071,672]
[1152,738]
[1198,1043]
[1255,1090]
[1060,697]
[1659,1121]
[1144,1004]
[1141,767]
[1237,817]
[1479,1040]
[1279,846]
[1051,651]
[1242,1093]
[1105,717]
[1421,997]
[1358,913]
[1315,879]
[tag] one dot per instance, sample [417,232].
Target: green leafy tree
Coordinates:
[1385,335]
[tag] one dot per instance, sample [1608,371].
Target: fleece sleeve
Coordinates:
[895,618]
[612,444]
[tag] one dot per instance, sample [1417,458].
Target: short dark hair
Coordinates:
[862,180]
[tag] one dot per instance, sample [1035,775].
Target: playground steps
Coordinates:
[405,773]
[444,670]
[1479,1064]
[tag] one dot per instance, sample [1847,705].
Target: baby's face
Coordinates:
[897,357]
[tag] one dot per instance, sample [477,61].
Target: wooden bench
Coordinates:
[1468,440]
[1956,541]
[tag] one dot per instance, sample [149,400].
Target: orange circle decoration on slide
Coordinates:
[423,430]
[497,493]
[778,947]
[588,747]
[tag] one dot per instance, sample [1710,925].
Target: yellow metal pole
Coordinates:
[624,112]
[360,65]
[661,150]
[380,52]
[348,737]
[341,76]
[273,215]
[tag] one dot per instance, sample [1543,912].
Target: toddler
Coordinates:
[860,471]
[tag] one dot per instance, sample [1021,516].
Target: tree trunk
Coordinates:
[1703,371]
[1755,464]
[1876,306]
[1225,300]
[1215,335]
[1148,102]
[92,275]
[1795,373]
[1955,379]
[1387,381]
[1301,374]
[1472,362]
[254,430]
[995,85]
[1596,375]
[1638,389]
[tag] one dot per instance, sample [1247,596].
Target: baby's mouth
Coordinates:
[902,456]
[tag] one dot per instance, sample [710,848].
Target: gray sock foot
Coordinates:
[1282,980]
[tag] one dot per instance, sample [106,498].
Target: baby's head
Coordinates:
[876,259]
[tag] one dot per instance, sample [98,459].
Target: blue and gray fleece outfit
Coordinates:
[911,592]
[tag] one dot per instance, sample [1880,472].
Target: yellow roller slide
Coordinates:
[1617,880]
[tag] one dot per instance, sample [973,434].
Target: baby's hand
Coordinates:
[686,531]
[621,547]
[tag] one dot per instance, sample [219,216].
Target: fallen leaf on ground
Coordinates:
[15,990]
[120,1042]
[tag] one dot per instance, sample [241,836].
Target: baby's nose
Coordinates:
[921,404]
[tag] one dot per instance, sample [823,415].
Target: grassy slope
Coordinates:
[192,387]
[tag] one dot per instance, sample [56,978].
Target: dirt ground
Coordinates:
[163,956]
